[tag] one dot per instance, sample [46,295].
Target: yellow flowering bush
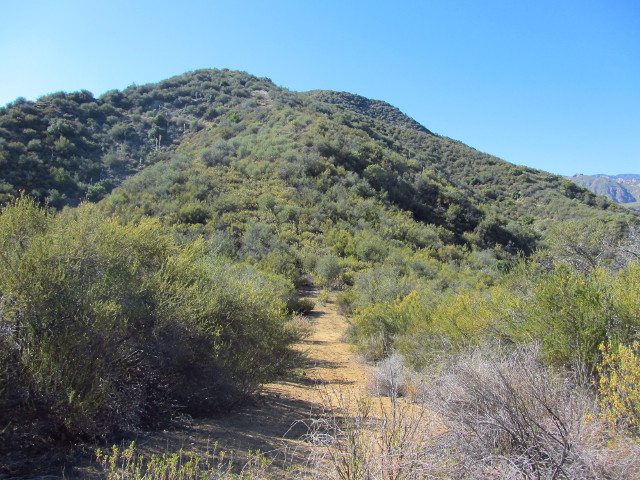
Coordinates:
[619,385]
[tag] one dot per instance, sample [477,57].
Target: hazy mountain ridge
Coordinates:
[623,188]
[626,176]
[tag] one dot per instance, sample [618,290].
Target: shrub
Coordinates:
[619,385]
[510,415]
[574,313]
[382,283]
[328,269]
[129,464]
[194,213]
[483,414]
[301,325]
[375,328]
[108,326]
[301,306]
[96,193]
[391,378]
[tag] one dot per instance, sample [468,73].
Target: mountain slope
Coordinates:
[68,147]
[623,188]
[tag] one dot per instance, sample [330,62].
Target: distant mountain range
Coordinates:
[623,189]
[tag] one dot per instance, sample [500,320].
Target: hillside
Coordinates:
[68,147]
[624,189]
[171,226]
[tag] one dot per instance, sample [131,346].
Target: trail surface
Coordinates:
[274,425]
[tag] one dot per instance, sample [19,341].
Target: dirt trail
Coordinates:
[274,425]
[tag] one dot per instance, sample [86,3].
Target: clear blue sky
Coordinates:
[548,84]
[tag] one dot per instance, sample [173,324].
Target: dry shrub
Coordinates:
[607,454]
[510,417]
[391,378]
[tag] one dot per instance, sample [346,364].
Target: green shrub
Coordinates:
[128,464]
[328,269]
[194,213]
[376,327]
[109,325]
[575,312]
[301,306]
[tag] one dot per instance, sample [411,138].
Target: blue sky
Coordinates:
[553,85]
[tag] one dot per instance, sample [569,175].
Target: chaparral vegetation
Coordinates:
[152,241]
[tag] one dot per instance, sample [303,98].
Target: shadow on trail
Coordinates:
[276,422]
[270,425]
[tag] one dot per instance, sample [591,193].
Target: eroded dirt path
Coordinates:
[275,425]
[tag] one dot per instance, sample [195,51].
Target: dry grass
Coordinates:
[363,437]
[302,325]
